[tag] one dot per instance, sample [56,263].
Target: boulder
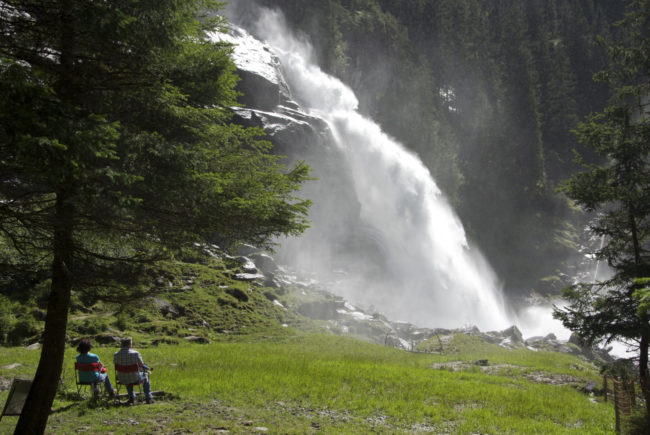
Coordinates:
[258,90]
[321,310]
[577,340]
[514,334]
[166,308]
[248,276]
[5,383]
[247,266]
[535,341]
[238,294]
[273,283]
[265,263]
[197,339]
[245,249]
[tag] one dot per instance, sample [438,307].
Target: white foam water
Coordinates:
[435,278]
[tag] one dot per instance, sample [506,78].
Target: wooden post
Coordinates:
[624,401]
[605,392]
[616,406]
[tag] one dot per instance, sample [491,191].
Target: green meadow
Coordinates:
[298,383]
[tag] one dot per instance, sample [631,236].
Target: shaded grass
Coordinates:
[304,383]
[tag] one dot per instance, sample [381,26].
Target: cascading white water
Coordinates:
[596,269]
[428,275]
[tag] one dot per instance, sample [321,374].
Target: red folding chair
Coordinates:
[124,375]
[95,386]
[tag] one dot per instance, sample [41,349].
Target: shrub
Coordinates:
[5,325]
[122,321]
[23,330]
[92,326]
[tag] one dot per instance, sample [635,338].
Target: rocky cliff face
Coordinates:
[382,232]
[268,104]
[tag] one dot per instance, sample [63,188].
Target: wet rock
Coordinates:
[514,334]
[265,263]
[397,342]
[258,90]
[247,266]
[243,250]
[590,388]
[273,283]
[321,310]
[248,276]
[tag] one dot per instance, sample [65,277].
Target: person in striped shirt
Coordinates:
[129,356]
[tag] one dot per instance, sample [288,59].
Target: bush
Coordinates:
[6,318]
[23,330]
[5,326]
[92,326]
[636,424]
[122,321]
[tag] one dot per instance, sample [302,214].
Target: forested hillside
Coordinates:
[487,94]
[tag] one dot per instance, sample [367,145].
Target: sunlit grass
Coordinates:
[295,384]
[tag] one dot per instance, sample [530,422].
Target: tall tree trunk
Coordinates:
[36,411]
[643,374]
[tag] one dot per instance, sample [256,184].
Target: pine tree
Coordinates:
[116,148]
[619,190]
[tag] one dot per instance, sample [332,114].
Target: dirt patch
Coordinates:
[457,366]
[552,378]
[538,377]
[454,366]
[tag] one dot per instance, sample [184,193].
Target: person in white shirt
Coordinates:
[128,356]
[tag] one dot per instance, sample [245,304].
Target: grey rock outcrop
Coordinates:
[265,263]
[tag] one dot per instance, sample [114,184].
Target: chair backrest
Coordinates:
[130,368]
[86,368]
[128,374]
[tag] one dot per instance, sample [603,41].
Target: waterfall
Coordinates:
[406,255]
[596,269]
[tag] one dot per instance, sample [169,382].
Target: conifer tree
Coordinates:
[619,191]
[116,148]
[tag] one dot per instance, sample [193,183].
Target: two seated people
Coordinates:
[130,370]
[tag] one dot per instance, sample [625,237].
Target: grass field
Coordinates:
[327,384]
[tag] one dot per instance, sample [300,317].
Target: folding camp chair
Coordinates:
[129,376]
[95,386]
